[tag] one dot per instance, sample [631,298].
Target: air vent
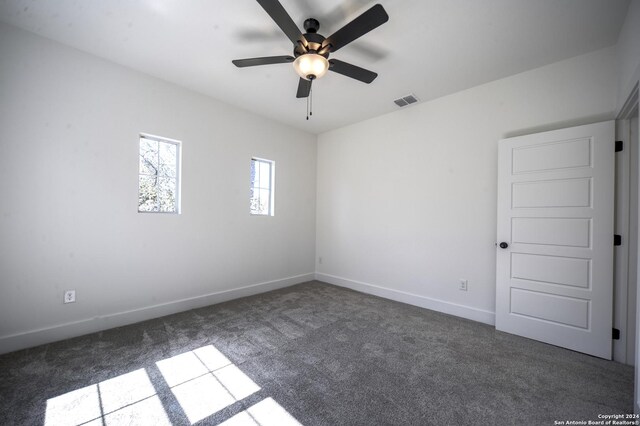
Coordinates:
[406,100]
[401,102]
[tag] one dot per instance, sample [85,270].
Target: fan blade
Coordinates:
[352,71]
[267,60]
[282,18]
[364,23]
[304,87]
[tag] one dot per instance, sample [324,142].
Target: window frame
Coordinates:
[271,189]
[178,187]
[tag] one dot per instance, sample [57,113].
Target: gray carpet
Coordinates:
[314,354]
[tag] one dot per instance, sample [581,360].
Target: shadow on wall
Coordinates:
[560,125]
[203,382]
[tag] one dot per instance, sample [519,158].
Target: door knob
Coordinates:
[503,245]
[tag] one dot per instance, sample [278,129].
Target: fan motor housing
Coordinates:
[314,45]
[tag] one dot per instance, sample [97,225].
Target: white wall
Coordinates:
[407,201]
[69,125]
[628,53]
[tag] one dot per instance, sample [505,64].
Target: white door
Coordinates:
[554,278]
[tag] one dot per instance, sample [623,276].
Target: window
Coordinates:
[159,175]
[262,172]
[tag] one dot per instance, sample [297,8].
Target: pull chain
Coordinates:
[310,97]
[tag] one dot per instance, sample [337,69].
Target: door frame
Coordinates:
[625,271]
[628,111]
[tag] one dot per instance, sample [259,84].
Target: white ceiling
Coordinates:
[429,47]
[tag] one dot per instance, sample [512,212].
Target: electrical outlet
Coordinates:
[463,285]
[320,260]
[69,296]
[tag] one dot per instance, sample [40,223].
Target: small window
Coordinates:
[159,175]
[262,172]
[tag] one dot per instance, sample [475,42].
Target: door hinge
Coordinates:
[617,240]
[615,335]
[619,145]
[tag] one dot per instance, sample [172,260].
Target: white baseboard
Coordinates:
[55,333]
[463,311]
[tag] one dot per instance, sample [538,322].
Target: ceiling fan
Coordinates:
[311,50]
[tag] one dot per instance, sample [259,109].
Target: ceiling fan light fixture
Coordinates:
[311,66]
